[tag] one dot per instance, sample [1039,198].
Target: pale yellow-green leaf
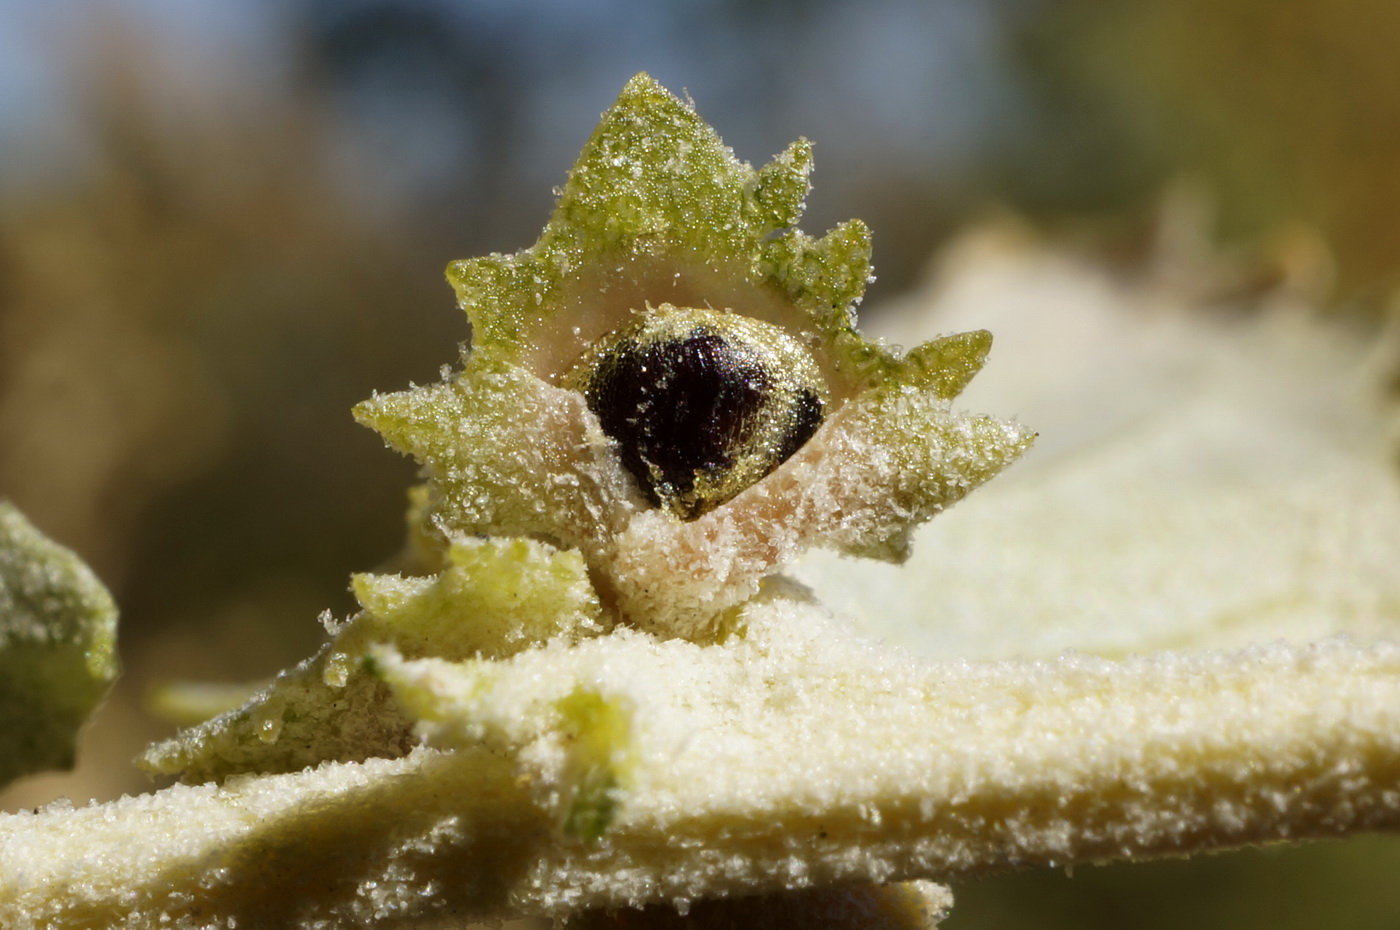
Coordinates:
[58,629]
[658,216]
[1197,484]
[796,757]
[495,597]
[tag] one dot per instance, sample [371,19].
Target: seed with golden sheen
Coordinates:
[702,404]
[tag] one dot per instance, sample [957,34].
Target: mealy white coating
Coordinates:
[1197,482]
[793,756]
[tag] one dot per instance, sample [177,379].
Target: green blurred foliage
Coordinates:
[1347,886]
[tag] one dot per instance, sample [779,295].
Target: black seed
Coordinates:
[806,417]
[678,409]
[703,404]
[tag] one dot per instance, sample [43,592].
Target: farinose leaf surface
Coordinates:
[58,631]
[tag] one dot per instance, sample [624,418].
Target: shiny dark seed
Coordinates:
[702,404]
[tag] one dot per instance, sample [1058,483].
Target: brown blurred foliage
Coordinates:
[1286,113]
[182,332]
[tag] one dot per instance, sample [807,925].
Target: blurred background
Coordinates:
[222,224]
